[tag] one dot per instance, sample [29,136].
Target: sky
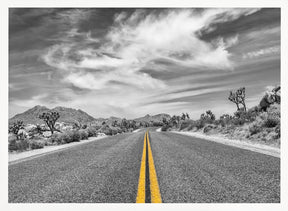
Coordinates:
[132,62]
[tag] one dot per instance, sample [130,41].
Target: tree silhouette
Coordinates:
[238,98]
[50,119]
[15,127]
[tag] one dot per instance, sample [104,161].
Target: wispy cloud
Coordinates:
[130,62]
[136,40]
[262,52]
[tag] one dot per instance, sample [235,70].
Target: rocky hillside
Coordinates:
[154,118]
[68,115]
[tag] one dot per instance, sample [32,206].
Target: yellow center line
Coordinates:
[154,187]
[141,185]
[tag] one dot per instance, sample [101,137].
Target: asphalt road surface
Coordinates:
[171,168]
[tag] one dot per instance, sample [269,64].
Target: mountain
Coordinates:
[71,115]
[154,118]
[68,115]
[31,115]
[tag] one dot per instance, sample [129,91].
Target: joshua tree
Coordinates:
[114,123]
[134,124]
[124,123]
[15,127]
[77,125]
[183,117]
[50,119]
[173,120]
[238,98]
[178,118]
[164,120]
[208,116]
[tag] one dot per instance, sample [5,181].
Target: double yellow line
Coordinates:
[154,187]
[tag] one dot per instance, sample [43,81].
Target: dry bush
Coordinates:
[18,145]
[255,128]
[83,134]
[273,116]
[187,124]
[92,131]
[34,144]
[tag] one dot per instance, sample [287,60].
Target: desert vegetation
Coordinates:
[35,136]
[260,123]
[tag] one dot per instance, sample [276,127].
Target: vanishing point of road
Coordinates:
[147,167]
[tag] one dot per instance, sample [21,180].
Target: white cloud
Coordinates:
[101,80]
[135,41]
[142,38]
[262,52]
[113,70]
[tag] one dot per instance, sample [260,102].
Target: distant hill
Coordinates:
[68,115]
[154,118]
[108,121]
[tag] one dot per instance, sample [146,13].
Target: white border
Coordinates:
[5,4]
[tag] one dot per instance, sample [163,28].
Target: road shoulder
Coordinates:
[255,147]
[22,156]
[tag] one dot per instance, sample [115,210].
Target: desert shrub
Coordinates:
[18,145]
[92,131]
[11,137]
[274,110]
[238,121]
[208,128]
[12,143]
[15,127]
[69,137]
[119,130]
[207,117]
[271,122]
[114,131]
[83,134]
[164,127]
[278,131]
[224,120]
[22,144]
[255,128]
[64,138]
[186,124]
[241,117]
[36,144]
[199,124]
[56,138]
[106,130]
[74,136]
[47,142]
[273,116]
[157,124]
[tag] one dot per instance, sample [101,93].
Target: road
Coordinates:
[118,169]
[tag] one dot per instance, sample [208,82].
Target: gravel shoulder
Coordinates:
[16,157]
[255,147]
